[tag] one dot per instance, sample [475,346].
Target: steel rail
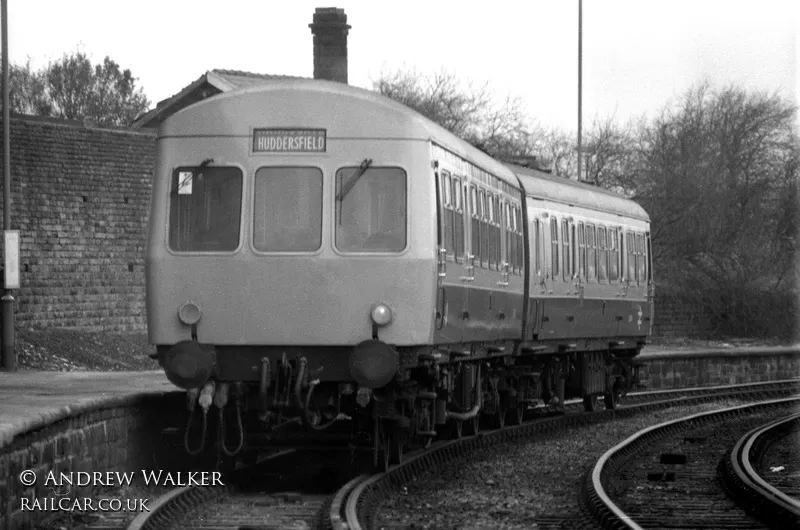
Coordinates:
[605,510]
[768,502]
[363,497]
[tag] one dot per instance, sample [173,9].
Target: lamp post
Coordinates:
[10,238]
[580,87]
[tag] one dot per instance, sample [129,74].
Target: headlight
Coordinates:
[381,314]
[189,313]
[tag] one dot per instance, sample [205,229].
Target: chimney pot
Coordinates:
[330,30]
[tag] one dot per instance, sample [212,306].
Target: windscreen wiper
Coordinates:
[191,174]
[347,186]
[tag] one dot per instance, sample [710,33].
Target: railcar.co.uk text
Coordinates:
[62,483]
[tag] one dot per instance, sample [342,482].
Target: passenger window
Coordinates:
[511,239]
[458,221]
[602,254]
[484,230]
[613,265]
[581,252]
[448,190]
[554,246]
[537,247]
[591,251]
[457,193]
[371,216]
[640,261]
[566,242]
[631,251]
[476,229]
[205,209]
[472,200]
[287,212]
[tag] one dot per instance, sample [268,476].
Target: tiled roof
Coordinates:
[209,84]
[239,79]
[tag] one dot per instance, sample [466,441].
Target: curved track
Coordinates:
[771,504]
[666,476]
[254,497]
[357,503]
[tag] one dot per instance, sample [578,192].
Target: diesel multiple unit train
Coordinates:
[321,257]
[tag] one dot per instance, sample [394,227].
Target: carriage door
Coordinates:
[454,270]
[537,285]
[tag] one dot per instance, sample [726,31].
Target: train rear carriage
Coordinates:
[591,287]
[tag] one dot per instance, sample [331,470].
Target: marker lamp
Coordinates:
[189,313]
[381,314]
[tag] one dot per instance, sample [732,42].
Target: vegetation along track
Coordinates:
[356,504]
[772,493]
[672,475]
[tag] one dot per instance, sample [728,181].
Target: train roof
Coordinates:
[345,111]
[541,185]
[351,112]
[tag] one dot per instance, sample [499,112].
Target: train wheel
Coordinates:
[611,400]
[458,428]
[500,417]
[396,441]
[589,403]
[384,441]
[475,423]
[519,414]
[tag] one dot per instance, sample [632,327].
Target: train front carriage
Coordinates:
[291,248]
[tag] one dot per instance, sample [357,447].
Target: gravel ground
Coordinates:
[516,486]
[65,350]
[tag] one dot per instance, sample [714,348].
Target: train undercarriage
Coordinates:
[433,393]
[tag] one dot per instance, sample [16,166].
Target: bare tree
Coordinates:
[714,171]
[468,111]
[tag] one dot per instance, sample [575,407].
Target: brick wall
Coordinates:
[673,318]
[662,372]
[122,435]
[80,199]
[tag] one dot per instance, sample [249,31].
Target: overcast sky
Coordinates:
[637,54]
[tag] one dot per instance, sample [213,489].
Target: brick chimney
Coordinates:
[330,44]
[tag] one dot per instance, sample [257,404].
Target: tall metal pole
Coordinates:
[9,355]
[580,87]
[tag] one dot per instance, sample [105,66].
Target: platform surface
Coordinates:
[30,399]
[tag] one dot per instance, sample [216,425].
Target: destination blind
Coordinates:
[289,140]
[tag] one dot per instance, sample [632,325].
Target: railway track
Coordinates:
[771,495]
[285,492]
[355,504]
[672,475]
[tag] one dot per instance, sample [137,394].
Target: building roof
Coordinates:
[209,84]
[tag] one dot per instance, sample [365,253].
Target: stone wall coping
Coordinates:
[34,400]
[755,351]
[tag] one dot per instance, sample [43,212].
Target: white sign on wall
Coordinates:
[11,252]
